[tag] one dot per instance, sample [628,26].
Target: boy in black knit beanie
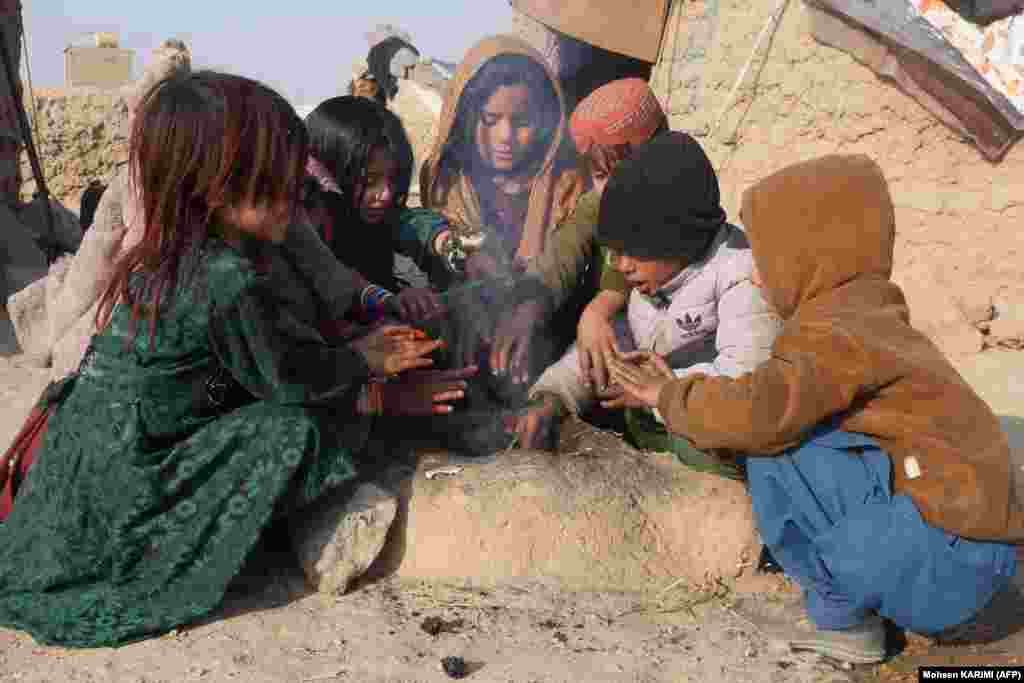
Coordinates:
[692,299]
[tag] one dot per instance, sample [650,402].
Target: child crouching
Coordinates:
[689,270]
[880,480]
[207,404]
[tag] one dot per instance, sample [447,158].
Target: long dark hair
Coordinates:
[342,132]
[504,70]
[199,141]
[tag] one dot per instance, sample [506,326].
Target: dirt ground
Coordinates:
[272,628]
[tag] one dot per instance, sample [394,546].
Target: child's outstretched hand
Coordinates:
[391,349]
[510,352]
[595,338]
[537,426]
[425,392]
[415,304]
[641,375]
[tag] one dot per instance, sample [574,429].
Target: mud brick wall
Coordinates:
[960,247]
[81,136]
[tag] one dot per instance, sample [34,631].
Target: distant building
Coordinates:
[103,65]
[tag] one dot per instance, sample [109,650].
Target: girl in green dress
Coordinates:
[208,404]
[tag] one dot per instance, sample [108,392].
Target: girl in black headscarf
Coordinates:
[359,171]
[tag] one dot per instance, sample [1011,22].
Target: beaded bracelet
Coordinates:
[373,302]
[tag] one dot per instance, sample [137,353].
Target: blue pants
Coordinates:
[826,511]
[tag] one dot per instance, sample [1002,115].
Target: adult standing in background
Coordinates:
[391,55]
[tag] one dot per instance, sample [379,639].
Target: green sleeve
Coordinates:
[275,354]
[416,231]
[563,263]
[611,279]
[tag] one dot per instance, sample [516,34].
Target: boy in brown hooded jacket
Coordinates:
[889,490]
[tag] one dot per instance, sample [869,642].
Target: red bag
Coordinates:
[18,458]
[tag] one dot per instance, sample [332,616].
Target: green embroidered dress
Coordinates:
[165,461]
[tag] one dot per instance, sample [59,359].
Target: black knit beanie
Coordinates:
[662,202]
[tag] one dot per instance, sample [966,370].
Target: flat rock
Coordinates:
[341,536]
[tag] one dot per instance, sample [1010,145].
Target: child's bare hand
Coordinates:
[511,349]
[418,303]
[614,396]
[391,349]
[641,376]
[595,340]
[595,337]
[650,360]
[426,392]
[537,427]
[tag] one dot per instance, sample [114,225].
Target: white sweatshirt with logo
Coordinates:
[710,318]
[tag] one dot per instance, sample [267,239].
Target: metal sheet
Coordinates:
[920,59]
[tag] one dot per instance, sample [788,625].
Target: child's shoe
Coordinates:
[784,622]
[860,644]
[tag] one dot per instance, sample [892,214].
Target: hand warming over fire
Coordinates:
[415,304]
[391,349]
[510,352]
[419,392]
[537,426]
[595,337]
[641,375]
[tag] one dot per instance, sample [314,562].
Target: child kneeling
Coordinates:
[692,297]
[881,482]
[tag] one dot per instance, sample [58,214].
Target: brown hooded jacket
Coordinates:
[822,236]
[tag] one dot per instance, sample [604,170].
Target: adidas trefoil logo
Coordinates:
[689,324]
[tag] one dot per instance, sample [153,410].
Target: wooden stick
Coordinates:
[773,22]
